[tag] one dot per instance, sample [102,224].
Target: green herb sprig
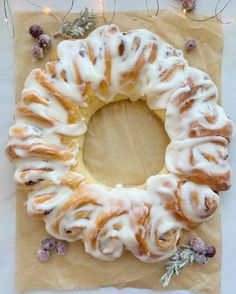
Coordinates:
[77,28]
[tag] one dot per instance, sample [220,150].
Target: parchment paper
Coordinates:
[130,139]
[78,270]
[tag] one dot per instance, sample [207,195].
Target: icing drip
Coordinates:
[147,222]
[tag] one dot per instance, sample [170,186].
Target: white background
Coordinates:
[7,190]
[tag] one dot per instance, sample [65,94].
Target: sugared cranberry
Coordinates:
[200,258]
[190,44]
[48,244]
[188,5]
[37,52]
[43,255]
[210,251]
[61,247]
[35,31]
[197,244]
[44,41]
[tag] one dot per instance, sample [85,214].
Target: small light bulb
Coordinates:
[47,10]
[184,11]
[6,20]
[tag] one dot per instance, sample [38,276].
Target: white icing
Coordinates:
[143,221]
[196,212]
[179,153]
[127,205]
[203,115]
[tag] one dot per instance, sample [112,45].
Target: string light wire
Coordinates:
[45,10]
[216,15]
[103,12]
[69,10]
[7,16]
[157,9]
[114,12]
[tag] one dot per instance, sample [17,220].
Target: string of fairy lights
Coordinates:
[216,15]
[8,17]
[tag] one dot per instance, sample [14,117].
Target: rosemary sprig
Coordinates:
[176,263]
[197,251]
[79,27]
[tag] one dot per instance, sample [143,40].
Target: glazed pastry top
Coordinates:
[48,121]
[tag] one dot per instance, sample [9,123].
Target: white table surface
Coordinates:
[7,190]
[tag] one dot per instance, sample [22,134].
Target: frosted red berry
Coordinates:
[188,5]
[43,255]
[197,244]
[210,251]
[61,247]
[37,52]
[44,41]
[190,44]
[35,31]
[48,244]
[200,258]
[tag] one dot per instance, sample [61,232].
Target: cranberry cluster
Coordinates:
[202,251]
[43,40]
[49,244]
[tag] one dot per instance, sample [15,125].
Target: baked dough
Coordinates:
[51,118]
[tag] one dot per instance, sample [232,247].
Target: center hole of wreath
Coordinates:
[125,143]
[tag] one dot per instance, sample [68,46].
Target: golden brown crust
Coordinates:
[67,103]
[196,130]
[43,150]
[217,182]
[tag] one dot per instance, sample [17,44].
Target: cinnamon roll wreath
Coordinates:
[51,119]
